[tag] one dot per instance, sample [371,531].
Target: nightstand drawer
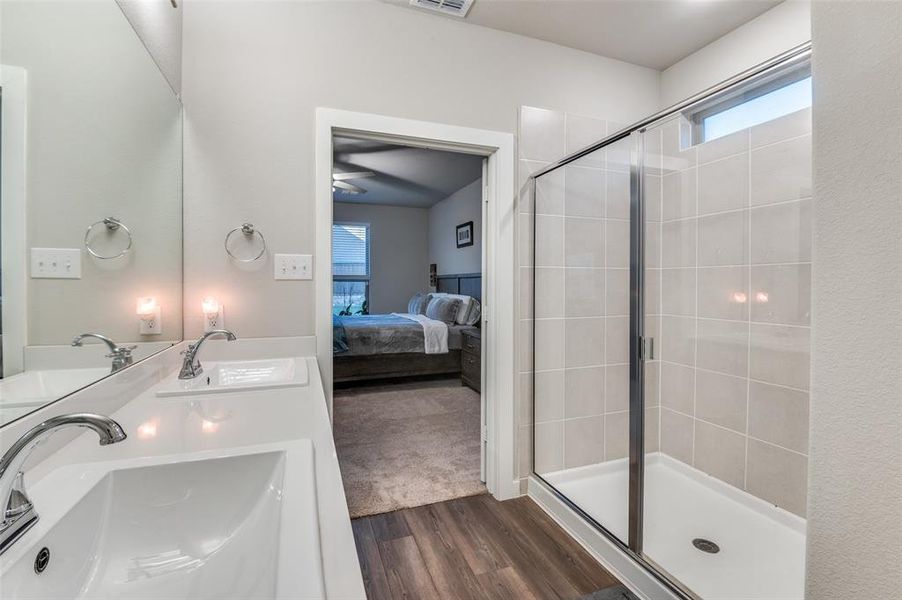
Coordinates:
[472,343]
[471,359]
[470,364]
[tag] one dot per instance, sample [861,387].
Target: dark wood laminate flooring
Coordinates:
[473,547]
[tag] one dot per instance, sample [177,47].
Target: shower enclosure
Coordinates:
[671,328]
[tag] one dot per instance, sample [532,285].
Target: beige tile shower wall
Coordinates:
[578,294]
[735,301]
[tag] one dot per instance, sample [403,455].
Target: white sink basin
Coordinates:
[27,391]
[237,527]
[38,387]
[239,376]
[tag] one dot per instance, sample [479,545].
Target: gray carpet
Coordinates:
[406,445]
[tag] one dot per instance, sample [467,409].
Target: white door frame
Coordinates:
[499,315]
[13,217]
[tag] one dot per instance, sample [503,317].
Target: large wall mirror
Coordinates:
[90,202]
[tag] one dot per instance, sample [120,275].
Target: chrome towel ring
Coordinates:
[248,230]
[112,225]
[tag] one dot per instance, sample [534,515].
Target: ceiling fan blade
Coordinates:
[348,187]
[354,175]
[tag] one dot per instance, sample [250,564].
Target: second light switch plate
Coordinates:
[293,266]
[55,263]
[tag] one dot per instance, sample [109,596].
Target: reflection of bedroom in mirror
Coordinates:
[407,283]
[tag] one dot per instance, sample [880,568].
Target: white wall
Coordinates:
[253,74]
[159,26]
[855,500]
[398,252]
[463,205]
[103,139]
[783,27]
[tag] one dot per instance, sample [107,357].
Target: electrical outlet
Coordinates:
[214,320]
[293,266]
[152,325]
[55,263]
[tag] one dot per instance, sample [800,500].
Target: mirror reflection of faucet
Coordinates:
[200,410]
[121,355]
[18,513]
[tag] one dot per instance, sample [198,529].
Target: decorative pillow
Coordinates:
[418,304]
[474,312]
[463,311]
[443,308]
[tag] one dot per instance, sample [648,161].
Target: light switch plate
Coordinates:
[55,263]
[293,266]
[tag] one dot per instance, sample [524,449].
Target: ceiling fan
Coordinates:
[340,181]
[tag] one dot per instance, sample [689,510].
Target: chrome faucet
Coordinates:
[121,355]
[191,368]
[18,511]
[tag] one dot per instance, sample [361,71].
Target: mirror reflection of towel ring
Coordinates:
[112,225]
[248,230]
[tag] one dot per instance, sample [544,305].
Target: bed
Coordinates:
[375,347]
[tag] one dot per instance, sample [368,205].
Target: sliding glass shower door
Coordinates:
[582,333]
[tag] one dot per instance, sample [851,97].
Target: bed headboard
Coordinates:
[468,284]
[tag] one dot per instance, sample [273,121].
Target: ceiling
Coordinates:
[651,33]
[404,175]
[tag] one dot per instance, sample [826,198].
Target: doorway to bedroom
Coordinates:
[407,291]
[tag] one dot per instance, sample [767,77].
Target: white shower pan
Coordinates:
[762,547]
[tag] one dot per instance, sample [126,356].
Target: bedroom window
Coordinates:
[350,268]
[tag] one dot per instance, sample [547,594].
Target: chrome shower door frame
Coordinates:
[641,347]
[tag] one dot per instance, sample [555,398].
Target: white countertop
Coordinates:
[217,424]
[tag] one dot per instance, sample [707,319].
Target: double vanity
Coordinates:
[226,486]
[216,474]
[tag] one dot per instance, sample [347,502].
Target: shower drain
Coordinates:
[706,545]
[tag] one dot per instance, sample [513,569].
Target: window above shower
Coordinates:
[754,104]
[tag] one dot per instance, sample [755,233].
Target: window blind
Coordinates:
[350,250]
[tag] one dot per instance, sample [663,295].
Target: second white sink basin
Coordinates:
[238,376]
[242,526]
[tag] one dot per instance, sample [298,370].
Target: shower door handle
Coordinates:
[646,348]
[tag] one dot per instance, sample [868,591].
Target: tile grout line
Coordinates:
[735,432]
[563,429]
[750,207]
[748,341]
[749,148]
[695,318]
[735,376]
[722,320]
[604,302]
[660,262]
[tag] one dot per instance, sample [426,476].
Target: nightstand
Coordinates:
[471,359]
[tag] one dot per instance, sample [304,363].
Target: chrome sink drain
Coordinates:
[42,560]
[706,545]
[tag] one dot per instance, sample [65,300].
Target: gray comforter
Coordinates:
[383,334]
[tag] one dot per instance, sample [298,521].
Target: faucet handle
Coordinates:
[120,351]
[18,502]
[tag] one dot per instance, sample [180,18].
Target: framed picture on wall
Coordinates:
[465,234]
